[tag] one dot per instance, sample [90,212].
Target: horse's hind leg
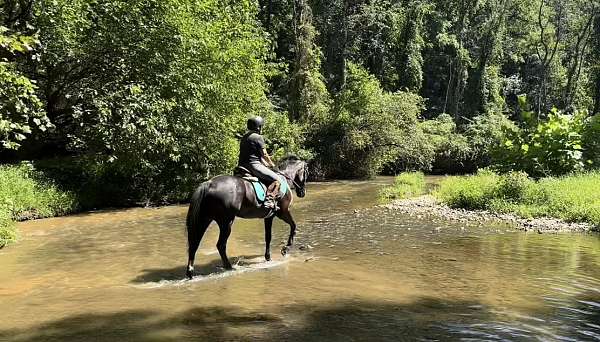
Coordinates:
[224,232]
[195,235]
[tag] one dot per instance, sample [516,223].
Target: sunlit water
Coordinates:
[369,275]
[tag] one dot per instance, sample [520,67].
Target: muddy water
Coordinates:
[364,276]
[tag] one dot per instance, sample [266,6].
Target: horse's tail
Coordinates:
[194,214]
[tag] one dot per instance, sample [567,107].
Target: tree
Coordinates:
[20,108]
[367,129]
[309,99]
[595,67]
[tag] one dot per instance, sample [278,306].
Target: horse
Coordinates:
[223,198]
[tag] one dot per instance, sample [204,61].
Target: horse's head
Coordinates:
[296,170]
[301,178]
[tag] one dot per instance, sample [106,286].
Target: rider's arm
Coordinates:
[267,158]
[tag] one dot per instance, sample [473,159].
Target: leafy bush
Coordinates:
[365,130]
[513,186]
[20,106]
[591,141]
[25,194]
[486,134]
[438,145]
[472,192]
[552,147]
[283,137]
[406,185]
[451,148]
[8,231]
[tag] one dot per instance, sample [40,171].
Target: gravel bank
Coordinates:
[429,206]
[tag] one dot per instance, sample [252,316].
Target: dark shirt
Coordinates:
[251,148]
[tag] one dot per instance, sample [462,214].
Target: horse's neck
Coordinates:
[290,175]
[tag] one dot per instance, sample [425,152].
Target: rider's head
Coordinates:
[255,124]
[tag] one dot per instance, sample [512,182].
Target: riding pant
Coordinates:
[263,173]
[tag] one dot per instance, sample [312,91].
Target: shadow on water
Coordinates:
[426,319]
[214,267]
[351,320]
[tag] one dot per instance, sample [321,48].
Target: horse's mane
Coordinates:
[289,161]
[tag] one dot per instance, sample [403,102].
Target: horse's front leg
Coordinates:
[268,234]
[287,218]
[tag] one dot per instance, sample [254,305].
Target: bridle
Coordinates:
[293,181]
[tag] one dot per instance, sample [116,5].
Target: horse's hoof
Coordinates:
[284,250]
[268,257]
[189,274]
[228,267]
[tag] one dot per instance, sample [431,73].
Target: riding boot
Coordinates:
[271,197]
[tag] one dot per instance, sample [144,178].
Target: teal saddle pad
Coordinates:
[261,190]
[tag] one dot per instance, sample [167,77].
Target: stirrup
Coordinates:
[271,203]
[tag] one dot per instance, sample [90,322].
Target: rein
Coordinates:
[296,185]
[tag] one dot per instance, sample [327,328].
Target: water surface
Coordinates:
[357,273]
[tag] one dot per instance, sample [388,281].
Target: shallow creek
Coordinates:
[356,273]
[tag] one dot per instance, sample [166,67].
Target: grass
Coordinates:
[26,194]
[573,198]
[8,232]
[406,185]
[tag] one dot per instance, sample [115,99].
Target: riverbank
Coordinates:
[26,194]
[427,206]
[552,204]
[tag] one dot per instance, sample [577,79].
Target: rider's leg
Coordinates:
[273,189]
[269,178]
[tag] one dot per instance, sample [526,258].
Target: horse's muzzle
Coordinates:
[301,193]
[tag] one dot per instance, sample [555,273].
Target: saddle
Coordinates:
[260,189]
[244,173]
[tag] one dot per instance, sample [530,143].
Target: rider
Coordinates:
[254,157]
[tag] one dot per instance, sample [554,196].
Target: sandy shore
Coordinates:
[429,206]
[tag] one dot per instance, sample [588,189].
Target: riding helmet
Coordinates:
[256,123]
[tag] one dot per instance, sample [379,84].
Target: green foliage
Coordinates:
[155,91]
[451,149]
[591,141]
[472,192]
[148,96]
[574,198]
[25,194]
[8,232]
[366,128]
[514,187]
[486,134]
[284,137]
[410,45]
[20,108]
[309,98]
[406,185]
[552,147]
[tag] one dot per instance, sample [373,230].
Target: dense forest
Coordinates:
[139,100]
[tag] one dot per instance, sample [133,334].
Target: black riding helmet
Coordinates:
[256,124]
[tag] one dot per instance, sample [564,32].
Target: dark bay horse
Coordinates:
[224,198]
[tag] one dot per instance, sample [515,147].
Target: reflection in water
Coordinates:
[354,275]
